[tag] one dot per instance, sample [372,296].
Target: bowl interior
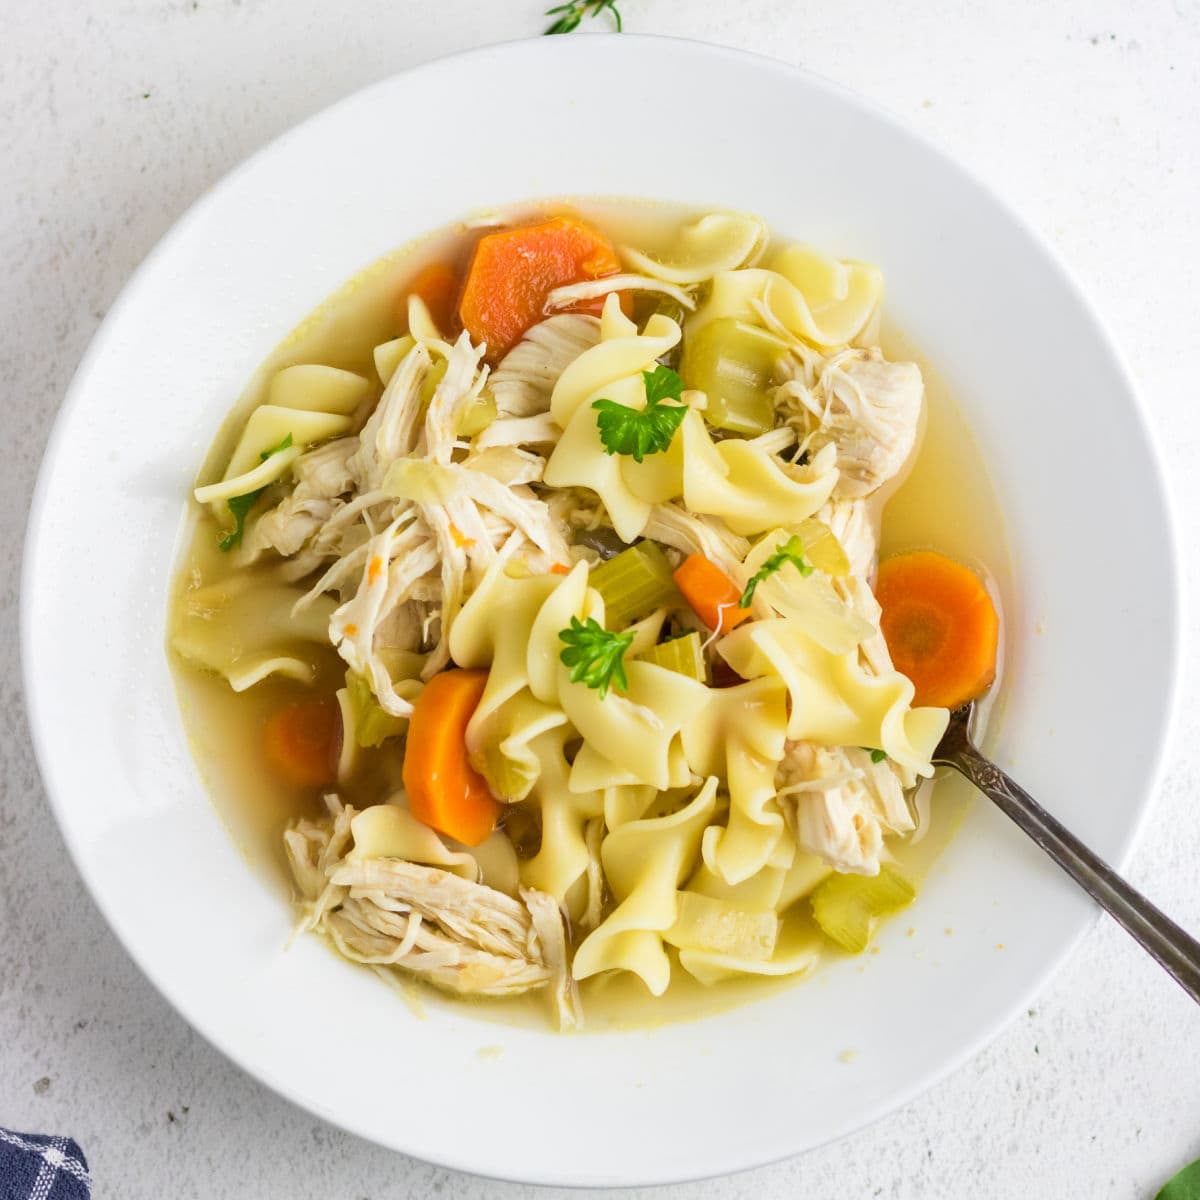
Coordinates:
[1041,386]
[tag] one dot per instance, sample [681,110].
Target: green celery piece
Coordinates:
[732,364]
[682,655]
[633,583]
[508,780]
[848,907]
[372,725]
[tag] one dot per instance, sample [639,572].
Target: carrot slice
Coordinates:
[513,271]
[302,742]
[711,593]
[940,626]
[444,791]
[437,284]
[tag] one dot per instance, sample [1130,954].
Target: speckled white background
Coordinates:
[117,114]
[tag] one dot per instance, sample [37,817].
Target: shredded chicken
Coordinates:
[841,804]
[290,524]
[462,383]
[856,400]
[547,919]
[399,555]
[458,935]
[321,476]
[852,523]
[674,526]
[526,376]
[873,650]
[592,289]
[391,429]
[538,430]
[325,470]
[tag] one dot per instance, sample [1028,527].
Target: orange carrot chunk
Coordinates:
[940,626]
[711,593]
[302,742]
[513,271]
[444,791]
[437,284]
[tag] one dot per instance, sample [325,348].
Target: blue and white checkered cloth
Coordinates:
[35,1167]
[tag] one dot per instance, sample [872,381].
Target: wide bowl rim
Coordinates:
[36,701]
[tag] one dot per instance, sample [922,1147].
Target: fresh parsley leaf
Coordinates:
[662,384]
[284,445]
[1184,1185]
[570,14]
[877,756]
[791,551]
[595,656]
[625,430]
[241,505]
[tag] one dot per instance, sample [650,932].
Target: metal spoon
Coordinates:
[1174,949]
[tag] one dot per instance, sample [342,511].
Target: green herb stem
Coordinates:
[570,14]
[791,551]
[240,506]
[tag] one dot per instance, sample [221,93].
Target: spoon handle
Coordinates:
[1176,950]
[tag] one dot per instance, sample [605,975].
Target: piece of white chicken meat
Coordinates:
[841,804]
[460,936]
[321,477]
[856,400]
[852,522]
[526,375]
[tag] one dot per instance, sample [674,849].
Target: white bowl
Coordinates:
[1092,613]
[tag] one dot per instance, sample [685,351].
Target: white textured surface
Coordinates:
[1084,117]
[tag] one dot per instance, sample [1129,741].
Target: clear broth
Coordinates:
[946,502]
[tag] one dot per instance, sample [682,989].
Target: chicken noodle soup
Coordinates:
[532,581]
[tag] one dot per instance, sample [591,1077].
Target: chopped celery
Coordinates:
[477,416]
[372,725]
[822,549]
[681,655]
[508,779]
[848,907]
[634,583]
[703,923]
[732,363]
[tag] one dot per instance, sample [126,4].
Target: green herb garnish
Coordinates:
[595,656]
[625,430]
[570,14]
[877,756]
[1185,1185]
[791,551]
[241,505]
